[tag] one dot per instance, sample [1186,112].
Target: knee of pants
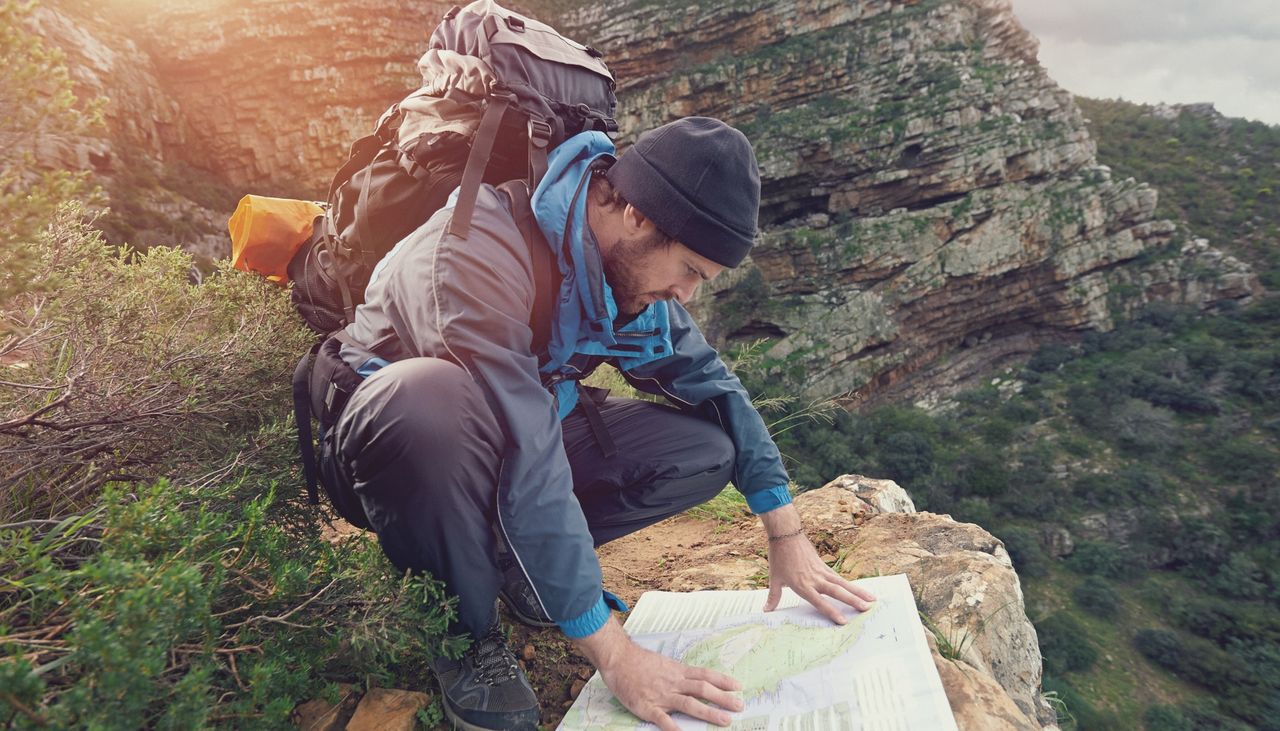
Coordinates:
[414,405]
[716,458]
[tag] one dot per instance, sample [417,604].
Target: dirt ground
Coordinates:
[631,565]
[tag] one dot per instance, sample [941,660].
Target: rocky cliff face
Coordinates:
[932,203]
[932,206]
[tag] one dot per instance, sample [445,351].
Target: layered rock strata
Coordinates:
[932,205]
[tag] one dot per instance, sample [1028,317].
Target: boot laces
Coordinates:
[493,661]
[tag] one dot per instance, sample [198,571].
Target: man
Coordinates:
[473,465]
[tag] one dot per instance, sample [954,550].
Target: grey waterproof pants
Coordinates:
[421,449]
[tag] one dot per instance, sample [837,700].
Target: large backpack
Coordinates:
[499,90]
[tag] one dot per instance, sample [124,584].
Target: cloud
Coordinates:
[1118,21]
[1175,51]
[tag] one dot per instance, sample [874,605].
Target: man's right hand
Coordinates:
[653,686]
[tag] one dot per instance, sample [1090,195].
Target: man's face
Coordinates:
[645,268]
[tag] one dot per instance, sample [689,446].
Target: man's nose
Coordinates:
[682,293]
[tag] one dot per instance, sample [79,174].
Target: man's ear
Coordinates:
[636,223]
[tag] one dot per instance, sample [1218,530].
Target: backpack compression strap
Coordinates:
[546,279]
[481,148]
[546,284]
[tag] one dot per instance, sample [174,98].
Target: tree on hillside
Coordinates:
[39,105]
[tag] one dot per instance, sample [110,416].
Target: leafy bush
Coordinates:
[1064,644]
[1241,578]
[1242,460]
[1200,544]
[906,456]
[1025,550]
[1166,718]
[40,105]
[1083,716]
[1243,684]
[1133,484]
[131,371]
[1140,428]
[1050,357]
[973,510]
[1098,559]
[1161,646]
[181,609]
[1097,597]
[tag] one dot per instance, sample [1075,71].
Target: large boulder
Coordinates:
[962,577]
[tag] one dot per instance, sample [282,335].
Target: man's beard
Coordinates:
[624,267]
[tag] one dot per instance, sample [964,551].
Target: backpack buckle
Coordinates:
[515,24]
[539,133]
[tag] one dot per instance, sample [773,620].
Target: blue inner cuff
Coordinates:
[588,622]
[371,366]
[615,603]
[763,501]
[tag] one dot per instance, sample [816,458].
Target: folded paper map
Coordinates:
[798,670]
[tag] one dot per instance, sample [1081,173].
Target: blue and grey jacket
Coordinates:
[469,302]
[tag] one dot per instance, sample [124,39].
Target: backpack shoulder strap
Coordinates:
[546,276]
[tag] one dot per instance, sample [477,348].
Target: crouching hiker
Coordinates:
[476,455]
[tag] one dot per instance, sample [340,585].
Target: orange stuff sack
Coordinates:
[266,232]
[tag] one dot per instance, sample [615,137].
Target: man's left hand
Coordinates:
[794,562]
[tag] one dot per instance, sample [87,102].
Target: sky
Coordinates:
[1176,51]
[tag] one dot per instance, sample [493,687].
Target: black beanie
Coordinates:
[697,180]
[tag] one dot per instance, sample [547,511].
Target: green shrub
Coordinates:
[973,510]
[1064,644]
[1025,550]
[1140,428]
[982,471]
[1083,716]
[1166,718]
[38,96]
[1205,715]
[1098,559]
[1097,597]
[182,609]
[1051,357]
[134,373]
[906,456]
[1242,460]
[1241,578]
[1199,544]
[1162,647]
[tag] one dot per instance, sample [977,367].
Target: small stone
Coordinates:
[388,710]
[576,688]
[317,715]
[585,673]
[828,558]
[528,652]
[320,715]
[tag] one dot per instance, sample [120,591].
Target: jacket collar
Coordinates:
[560,206]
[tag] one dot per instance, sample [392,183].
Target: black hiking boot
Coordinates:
[485,689]
[519,597]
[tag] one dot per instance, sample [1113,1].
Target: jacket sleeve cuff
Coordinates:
[762,501]
[588,622]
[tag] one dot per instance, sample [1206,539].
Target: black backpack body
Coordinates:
[499,91]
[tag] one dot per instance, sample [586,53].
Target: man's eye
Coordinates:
[691,271]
